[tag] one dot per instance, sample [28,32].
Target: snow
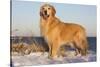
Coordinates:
[40,58]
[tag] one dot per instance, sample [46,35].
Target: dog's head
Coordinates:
[47,11]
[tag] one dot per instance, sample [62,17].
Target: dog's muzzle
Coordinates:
[44,14]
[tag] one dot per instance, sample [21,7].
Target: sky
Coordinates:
[26,19]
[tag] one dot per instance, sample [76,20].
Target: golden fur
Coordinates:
[58,33]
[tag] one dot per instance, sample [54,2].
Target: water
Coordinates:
[92,43]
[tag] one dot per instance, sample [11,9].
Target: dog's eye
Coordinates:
[48,8]
[43,8]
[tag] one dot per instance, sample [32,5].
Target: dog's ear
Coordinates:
[54,11]
[40,13]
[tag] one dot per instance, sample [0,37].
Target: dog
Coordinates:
[57,33]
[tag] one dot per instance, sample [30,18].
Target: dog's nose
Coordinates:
[45,12]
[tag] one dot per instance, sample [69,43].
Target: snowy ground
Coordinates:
[40,58]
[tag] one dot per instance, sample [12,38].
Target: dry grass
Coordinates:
[24,49]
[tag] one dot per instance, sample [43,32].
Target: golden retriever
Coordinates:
[57,33]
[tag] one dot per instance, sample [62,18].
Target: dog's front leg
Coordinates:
[54,51]
[49,54]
